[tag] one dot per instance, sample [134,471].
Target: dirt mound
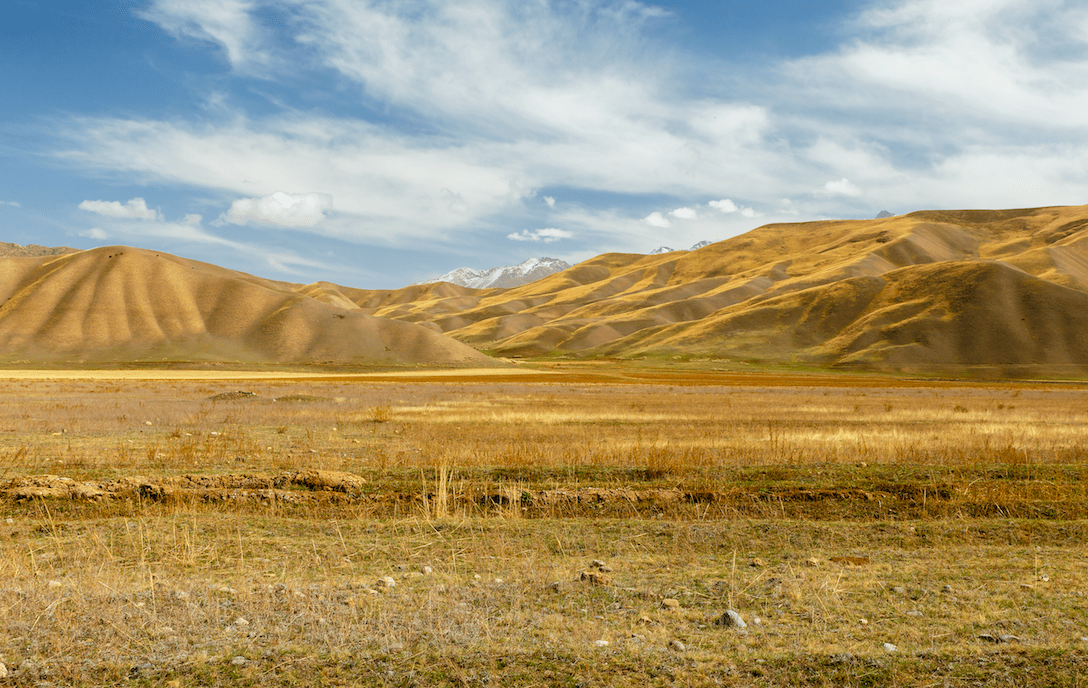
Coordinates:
[125,304]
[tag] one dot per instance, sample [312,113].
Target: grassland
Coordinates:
[844,512]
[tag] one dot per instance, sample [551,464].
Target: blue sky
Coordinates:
[375,143]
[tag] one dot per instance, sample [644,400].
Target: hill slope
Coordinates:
[124,304]
[931,288]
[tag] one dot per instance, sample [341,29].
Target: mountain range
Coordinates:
[931,290]
[510,276]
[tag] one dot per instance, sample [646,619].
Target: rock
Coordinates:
[757,621]
[239,661]
[947,589]
[596,578]
[555,586]
[757,563]
[676,645]
[386,583]
[812,561]
[241,622]
[843,658]
[3,670]
[181,595]
[9,521]
[914,612]
[601,643]
[427,570]
[645,619]
[413,575]
[998,638]
[731,619]
[888,647]
[899,590]
[670,603]
[393,648]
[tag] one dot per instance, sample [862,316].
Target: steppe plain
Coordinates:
[211,528]
[865,438]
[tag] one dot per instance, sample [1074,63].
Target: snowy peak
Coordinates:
[665,249]
[511,276]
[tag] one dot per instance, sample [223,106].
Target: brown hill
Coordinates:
[7,249]
[124,304]
[934,288]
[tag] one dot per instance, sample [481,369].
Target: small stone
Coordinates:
[498,581]
[393,648]
[241,622]
[601,643]
[239,661]
[147,422]
[812,561]
[731,619]
[477,576]
[413,575]
[3,670]
[843,658]
[9,521]
[555,586]
[899,590]
[55,584]
[181,595]
[676,645]
[889,647]
[427,570]
[670,603]
[645,619]
[386,582]
[1044,578]
[1027,586]
[863,622]
[914,612]
[947,589]
[1084,638]
[757,621]
[757,563]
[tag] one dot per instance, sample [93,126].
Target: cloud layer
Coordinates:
[453,115]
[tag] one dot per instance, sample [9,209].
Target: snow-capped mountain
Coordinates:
[510,276]
[665,249]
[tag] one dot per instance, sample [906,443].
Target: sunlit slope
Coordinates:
[119,303]
[867,291]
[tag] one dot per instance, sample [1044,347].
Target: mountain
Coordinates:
[510,276]
[883,214]
[7,249]
[124,304]
[928,290]
[665,249]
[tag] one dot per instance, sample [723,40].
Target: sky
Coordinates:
[377,143]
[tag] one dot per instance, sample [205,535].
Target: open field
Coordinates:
[189,522]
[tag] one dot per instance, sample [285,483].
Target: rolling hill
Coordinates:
[119,304]
[1005,288]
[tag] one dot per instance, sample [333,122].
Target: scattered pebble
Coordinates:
[241,622]
[1044,578]
[998,638]
[9,521]
[596,577]
[181,595]
[889,647]
[914,612]
[239,661]
[601,643]
[647,619]
[3,670]
[676,645]
[812,561]
[670,603]
[899,590]
[427,570]
[863,622]
[147,422]
[757,562]
[946,589]
[386,582]
[731,619]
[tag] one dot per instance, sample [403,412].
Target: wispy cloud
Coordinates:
[14,204]
[546,236]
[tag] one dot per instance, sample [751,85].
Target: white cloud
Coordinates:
[135,209]
[684,213]
[284,209]
[192,219]
[656,219]
[547,236]
[14,204]
[95,233]
[842,187]
[725,205]
[550,201]
[228,23]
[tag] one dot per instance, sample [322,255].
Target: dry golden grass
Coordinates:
[150,592]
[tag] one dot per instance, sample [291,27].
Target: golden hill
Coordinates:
[125,304]
[935,288]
